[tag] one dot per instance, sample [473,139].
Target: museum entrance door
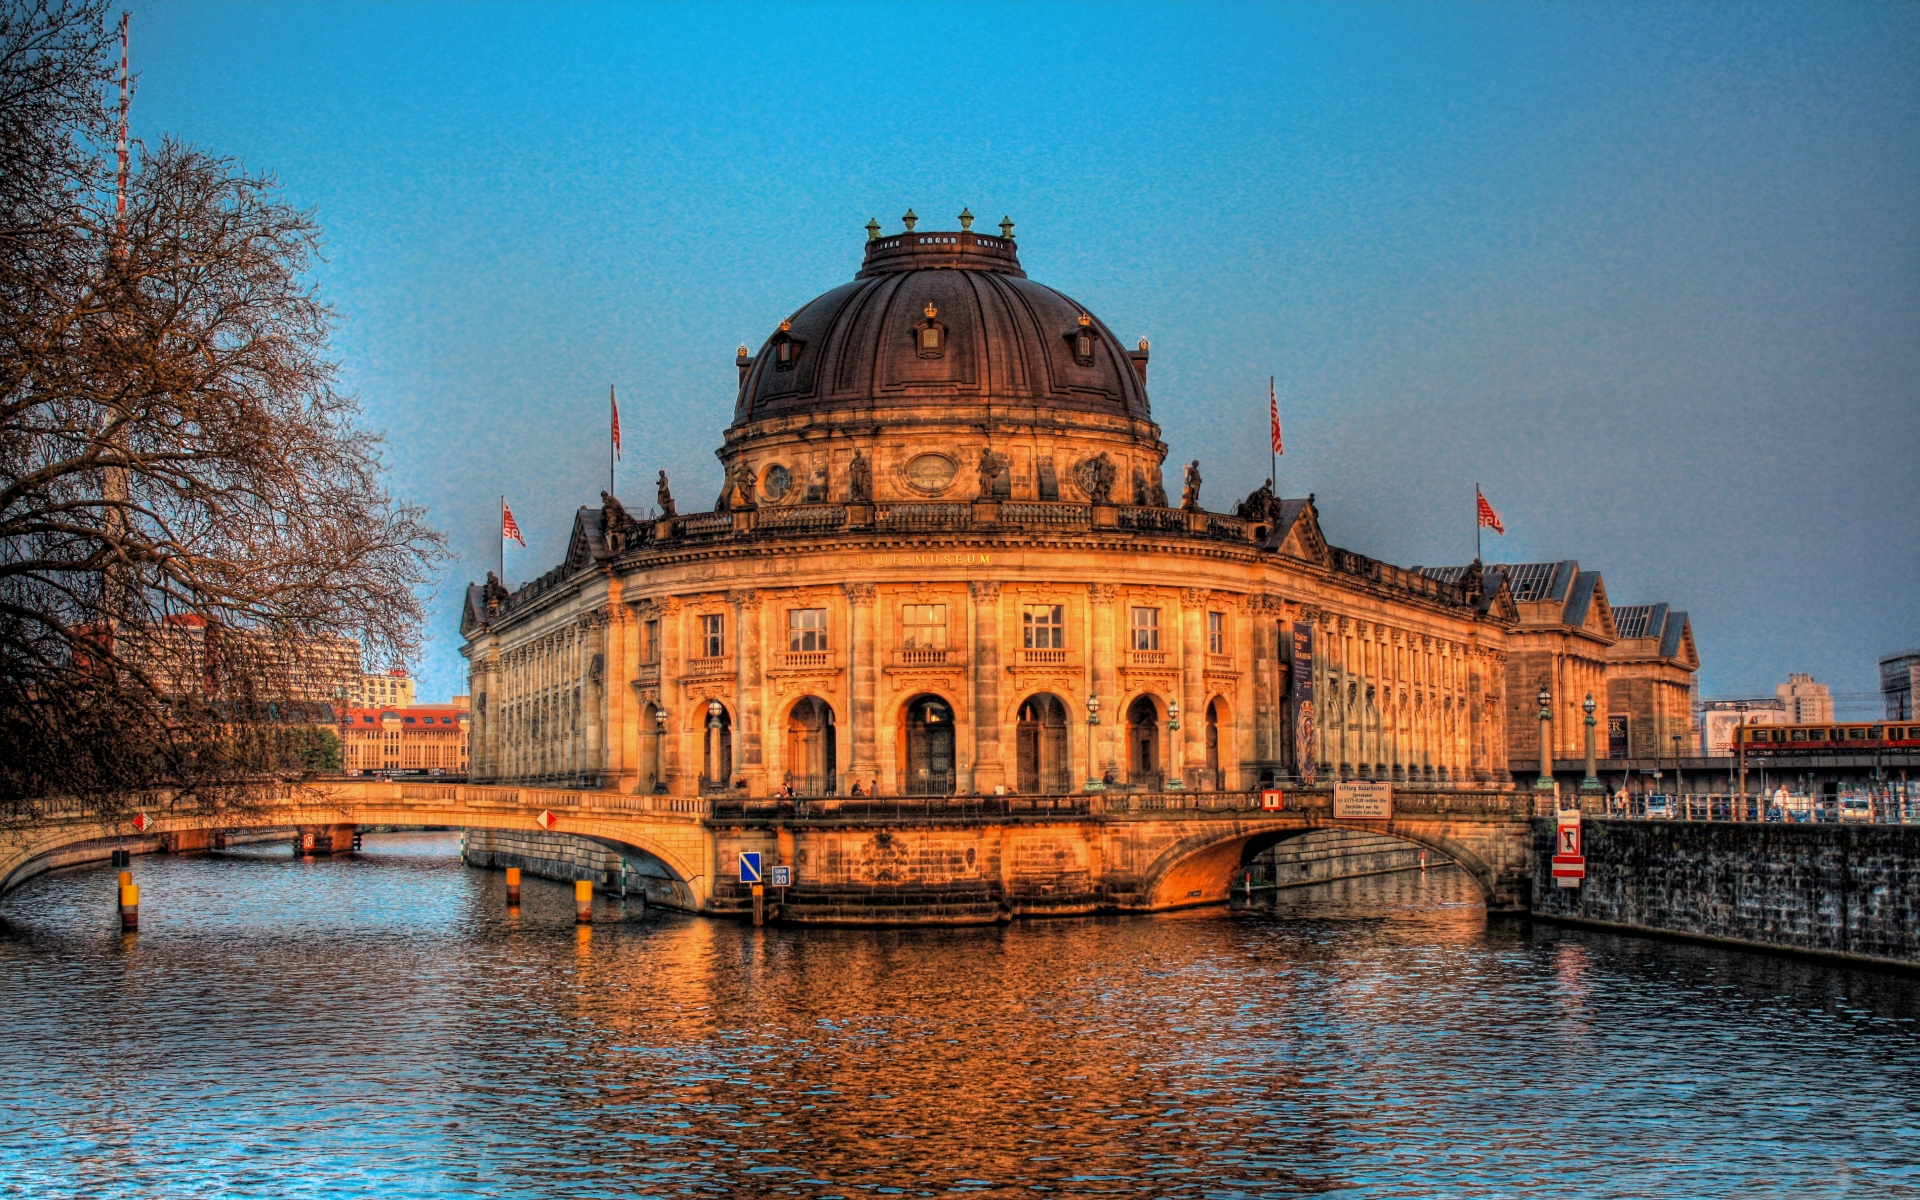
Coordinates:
[1144,769]
[1042,738]
[927,748]
[812,756]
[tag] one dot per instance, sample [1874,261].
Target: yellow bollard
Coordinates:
[129,907]
[583,902]
[513,887]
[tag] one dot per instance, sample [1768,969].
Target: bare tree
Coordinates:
[192,521]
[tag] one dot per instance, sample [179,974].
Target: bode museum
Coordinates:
[951,556]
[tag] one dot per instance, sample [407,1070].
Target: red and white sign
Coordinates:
[1569,862]
[141,821]
[546,820]
[1272,799]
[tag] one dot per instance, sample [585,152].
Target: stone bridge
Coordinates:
[945,860]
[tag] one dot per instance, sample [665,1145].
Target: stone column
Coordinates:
[1103,663]
[676,744]
[748,675]
[1193,680]
[988,768]
[861,649]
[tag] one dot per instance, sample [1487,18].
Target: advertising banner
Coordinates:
[1617,743]
[1362,801]
[1305,756]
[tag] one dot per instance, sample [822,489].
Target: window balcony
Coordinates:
[804,660]
[1219,662]
[1148,658]
[1043,658]
[723,665]
[926,657]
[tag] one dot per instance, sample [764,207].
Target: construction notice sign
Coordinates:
[1362,801]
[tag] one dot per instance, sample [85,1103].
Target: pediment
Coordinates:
[585,546]
[1297,534]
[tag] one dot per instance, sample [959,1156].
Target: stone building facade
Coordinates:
[947,559]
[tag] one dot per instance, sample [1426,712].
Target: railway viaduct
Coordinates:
[951,860]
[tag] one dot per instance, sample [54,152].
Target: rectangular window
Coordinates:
[650,641]
[1216,633]
[713,635]
[806,629]
[923,627]
[1044,626]
[1146,629]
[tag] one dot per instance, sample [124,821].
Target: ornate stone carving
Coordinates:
[859,479]
[1194,597]
[1190,494]
[742,597]
[985,591]
[860,593]
[1101,593]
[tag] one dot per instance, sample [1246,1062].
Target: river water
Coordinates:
[381,1026]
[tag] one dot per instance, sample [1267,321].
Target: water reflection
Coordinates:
[382,1025]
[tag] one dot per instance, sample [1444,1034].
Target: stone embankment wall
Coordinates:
[567,858]
[1329,854]
[1851,890]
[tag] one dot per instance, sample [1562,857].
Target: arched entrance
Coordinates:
[716,769]
[812,756]
[1042,738]
[926,747]
[1145,769]
[1216,779]
[652,734]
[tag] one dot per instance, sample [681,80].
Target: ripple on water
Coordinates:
[379,1026]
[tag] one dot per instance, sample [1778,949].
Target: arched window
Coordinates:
[1044,769]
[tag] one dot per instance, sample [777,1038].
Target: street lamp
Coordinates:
[1680,784]
[1592,782]
[1740,741]
[1093,718]
[1545,782]
[1173,713]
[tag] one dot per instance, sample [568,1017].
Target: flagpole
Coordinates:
[1476,522]
[1273,456]
[503,539]
[613,401]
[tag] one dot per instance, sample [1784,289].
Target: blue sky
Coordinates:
[1649,274]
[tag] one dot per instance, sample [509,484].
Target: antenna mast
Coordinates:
[120,201]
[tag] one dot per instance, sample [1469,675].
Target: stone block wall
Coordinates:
[1328,854]
[569,858]
[1831,889]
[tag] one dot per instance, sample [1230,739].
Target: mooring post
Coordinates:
[129,907]
[582,902]
[513,887]
[759,904]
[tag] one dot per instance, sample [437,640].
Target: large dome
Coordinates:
[941,318]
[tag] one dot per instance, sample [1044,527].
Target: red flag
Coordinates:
[1273,416]
[1488,517]
[615,401]
[510,528]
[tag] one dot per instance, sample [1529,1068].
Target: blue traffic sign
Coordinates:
[749,866]
[783,877]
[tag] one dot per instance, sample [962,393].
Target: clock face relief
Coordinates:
[776,481]
[931,472]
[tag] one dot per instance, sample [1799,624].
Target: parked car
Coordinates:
[1856,808]
[1659,808]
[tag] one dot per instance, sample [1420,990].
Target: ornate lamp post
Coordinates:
[659,748]
[1592,782]
[714,709]
[1740,740]
[1093,719]
[1545,782]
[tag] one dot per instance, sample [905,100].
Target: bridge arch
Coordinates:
[1201,868]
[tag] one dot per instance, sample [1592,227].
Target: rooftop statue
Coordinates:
[859,480]
[1190,495]
[663,496]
